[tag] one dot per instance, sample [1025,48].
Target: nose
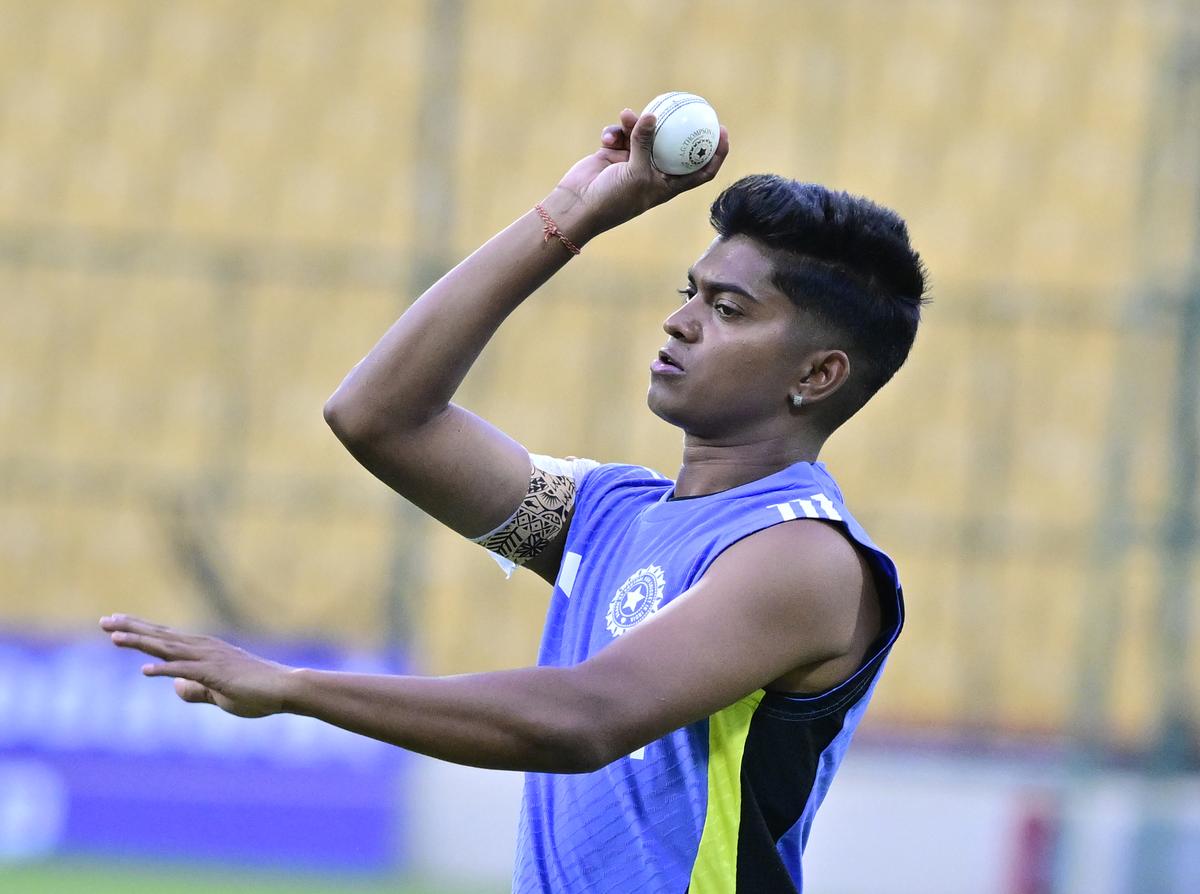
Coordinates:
[682,324]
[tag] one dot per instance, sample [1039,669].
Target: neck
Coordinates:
[709,467]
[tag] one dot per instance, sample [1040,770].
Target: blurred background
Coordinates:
[210,210]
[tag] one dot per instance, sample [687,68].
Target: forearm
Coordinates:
[414,370]
[534,718]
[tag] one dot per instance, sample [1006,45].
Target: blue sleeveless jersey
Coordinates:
[721,805]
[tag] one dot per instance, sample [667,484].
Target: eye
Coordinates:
[688,293]
[727,310]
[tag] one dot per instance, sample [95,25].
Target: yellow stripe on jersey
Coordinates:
[715,869]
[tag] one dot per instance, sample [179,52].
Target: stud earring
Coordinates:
[797,399]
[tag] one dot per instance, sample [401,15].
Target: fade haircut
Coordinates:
[843,260]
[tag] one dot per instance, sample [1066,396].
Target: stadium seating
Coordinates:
[210,211]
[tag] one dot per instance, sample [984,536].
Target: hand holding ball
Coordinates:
[686,132]
[673,146]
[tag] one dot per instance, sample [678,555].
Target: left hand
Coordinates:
[206,669]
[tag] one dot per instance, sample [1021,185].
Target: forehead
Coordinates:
[739,260]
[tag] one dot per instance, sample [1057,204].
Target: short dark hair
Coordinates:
[844,260]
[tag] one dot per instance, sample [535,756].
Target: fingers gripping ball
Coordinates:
[686,132]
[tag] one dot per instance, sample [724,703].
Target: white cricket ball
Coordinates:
[685,132]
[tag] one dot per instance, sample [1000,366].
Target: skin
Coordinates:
[745,349]
[791,607]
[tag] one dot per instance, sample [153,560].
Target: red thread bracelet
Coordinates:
[550,228]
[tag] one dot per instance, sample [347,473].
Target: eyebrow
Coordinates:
[731,287]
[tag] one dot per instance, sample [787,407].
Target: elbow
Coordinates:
[592,749]
[348,421]
[356,419]
[337,416]
[593,721]
[582,750]
[584,740]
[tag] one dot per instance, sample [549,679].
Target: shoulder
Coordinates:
[801,571]
[819,550]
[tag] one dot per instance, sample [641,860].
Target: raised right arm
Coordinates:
[393,412]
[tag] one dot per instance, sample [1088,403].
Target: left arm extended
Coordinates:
[784,598]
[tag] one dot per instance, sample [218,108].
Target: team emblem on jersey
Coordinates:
[637,599]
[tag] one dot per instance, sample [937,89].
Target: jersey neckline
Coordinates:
[814,472]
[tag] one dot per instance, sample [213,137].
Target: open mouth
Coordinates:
[666,358]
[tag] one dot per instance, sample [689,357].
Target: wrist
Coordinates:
[295,689]
[572,216]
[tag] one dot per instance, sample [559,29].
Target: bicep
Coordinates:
[780,599]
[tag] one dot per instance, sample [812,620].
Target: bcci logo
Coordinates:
[637,599]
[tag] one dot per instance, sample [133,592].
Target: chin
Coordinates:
[661,408]
[673,412]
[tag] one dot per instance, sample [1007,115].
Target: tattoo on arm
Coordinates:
[538,519]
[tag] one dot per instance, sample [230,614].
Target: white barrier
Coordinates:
[904,821]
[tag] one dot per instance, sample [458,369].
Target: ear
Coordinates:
[824,372]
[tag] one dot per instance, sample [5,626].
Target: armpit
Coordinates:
[542,513]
